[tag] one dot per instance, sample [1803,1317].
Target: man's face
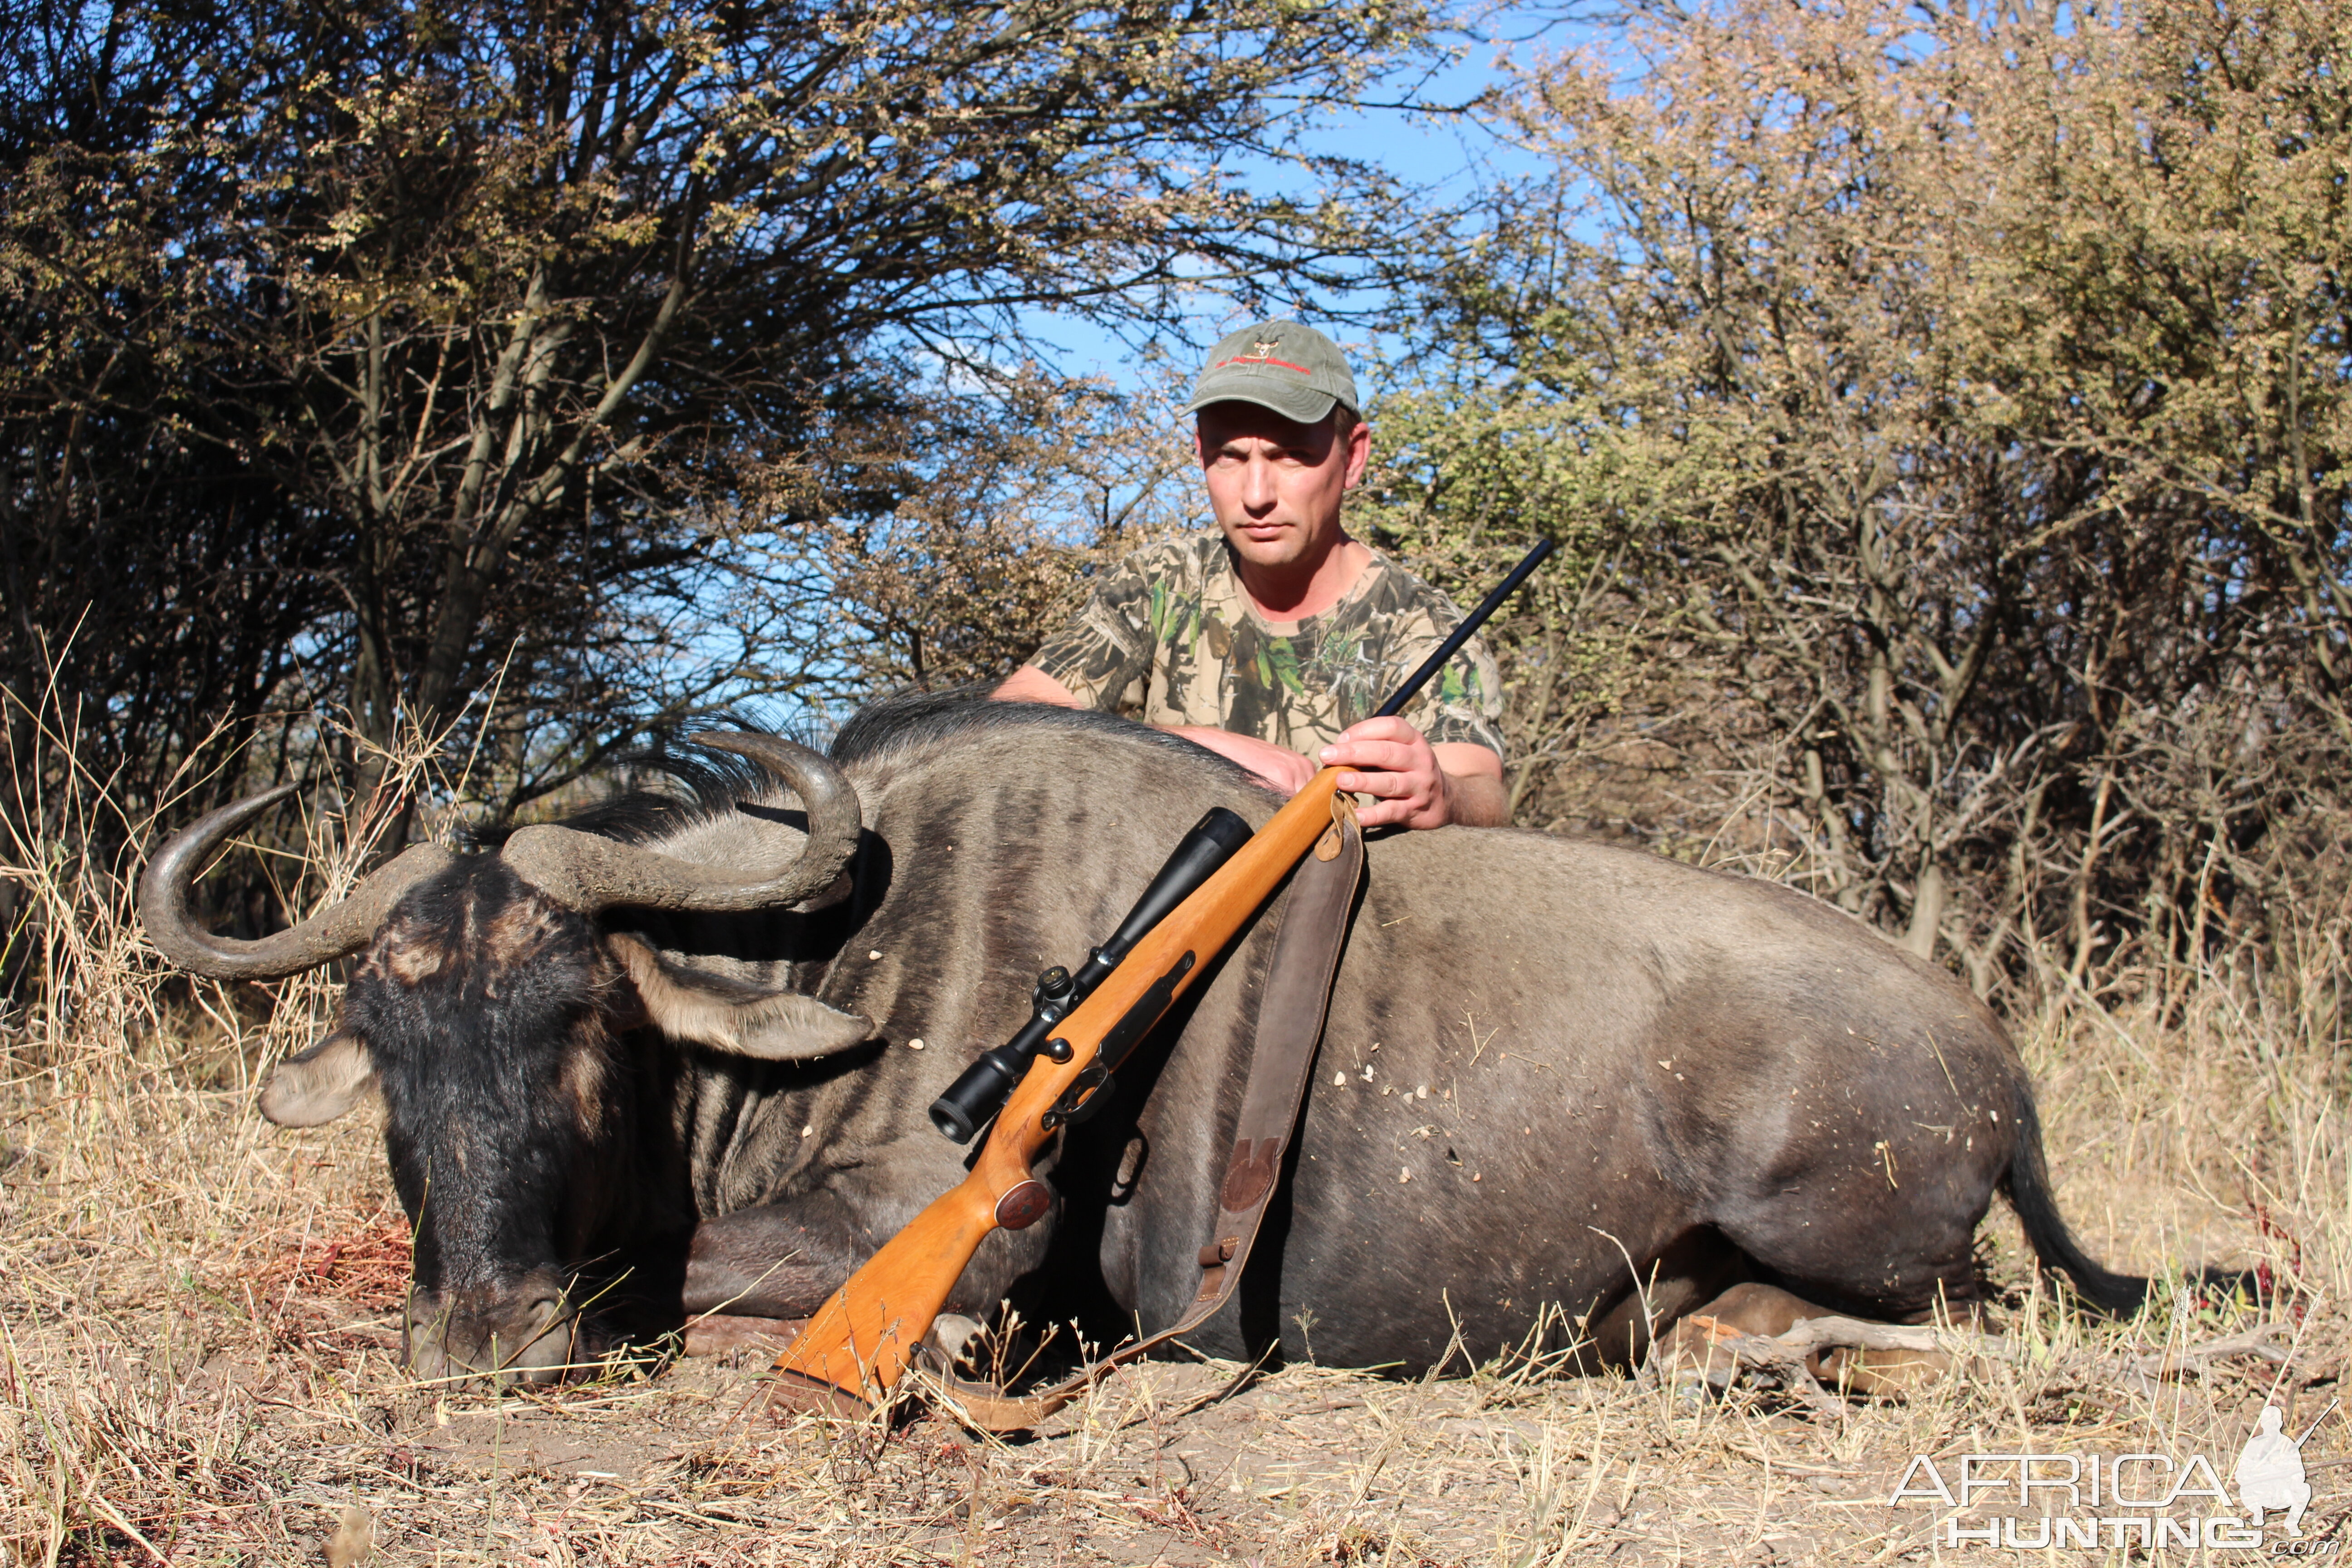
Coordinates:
[1274,484]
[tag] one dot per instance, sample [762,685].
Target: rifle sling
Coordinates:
[1306,948]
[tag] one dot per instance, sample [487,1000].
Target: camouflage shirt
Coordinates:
[1169,638]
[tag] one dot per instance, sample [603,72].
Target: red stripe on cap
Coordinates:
[1253,358]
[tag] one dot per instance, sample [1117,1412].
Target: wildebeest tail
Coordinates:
[2028,1186]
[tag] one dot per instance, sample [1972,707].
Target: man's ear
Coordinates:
[313,1088]
[729,1015]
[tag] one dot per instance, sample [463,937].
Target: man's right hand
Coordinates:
[1283,769]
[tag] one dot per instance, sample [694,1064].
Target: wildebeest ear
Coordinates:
[730,1016]
[320,1084]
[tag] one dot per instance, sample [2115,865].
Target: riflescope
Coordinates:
[982,1089]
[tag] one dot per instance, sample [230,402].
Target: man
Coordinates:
[2270,1473]
[1270,641]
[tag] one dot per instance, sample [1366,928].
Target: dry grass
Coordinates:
[197,1351]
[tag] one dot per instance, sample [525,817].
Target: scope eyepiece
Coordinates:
[978,1093]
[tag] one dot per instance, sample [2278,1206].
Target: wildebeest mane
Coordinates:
[713,782]
[918,720]
[890,727]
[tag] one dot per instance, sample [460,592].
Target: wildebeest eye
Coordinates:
[729,1015]
[320,1084]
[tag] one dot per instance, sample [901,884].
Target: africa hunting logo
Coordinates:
[2147,1500]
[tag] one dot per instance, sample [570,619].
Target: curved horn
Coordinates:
[587,872]
[328,935]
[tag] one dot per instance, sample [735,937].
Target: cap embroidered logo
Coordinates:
[1264,356]
[1243,364]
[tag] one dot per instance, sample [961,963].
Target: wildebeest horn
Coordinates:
[325,937]
[586,871]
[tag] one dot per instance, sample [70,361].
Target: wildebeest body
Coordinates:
[1551,1068]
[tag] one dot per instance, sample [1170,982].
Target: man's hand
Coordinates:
[1031,684]
[1415,783]
[1279,766]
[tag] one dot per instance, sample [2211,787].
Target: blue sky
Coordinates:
[1448,155]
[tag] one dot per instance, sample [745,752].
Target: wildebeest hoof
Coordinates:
[952,1337]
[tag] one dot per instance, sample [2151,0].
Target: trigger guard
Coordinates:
[1091,1105]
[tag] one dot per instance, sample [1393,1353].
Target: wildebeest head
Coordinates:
[490,1005]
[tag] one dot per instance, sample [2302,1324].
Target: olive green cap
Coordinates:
[1287,366]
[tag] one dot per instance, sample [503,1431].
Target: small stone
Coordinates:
[1339,1081]
[872,953]
[808,1131]
[916,1044]
[1421,1092]
[1476,1178]
[1404,1173]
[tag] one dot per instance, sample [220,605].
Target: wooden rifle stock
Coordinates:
[861,1339]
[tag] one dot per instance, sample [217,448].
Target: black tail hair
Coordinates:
[2027,1185]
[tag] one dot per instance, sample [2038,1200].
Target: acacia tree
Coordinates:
[1953,404]
[465,331]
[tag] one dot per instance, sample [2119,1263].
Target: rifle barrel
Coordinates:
[1463,633]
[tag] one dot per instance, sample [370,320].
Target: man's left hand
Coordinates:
[1411,783]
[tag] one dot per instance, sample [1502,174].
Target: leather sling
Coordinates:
[1305,958]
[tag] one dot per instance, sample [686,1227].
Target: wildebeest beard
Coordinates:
[480,1008]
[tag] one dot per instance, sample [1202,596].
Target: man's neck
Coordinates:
[1287,595]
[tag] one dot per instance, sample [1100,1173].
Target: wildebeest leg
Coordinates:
[1692,1349]
[765,1263]
[1695,1266]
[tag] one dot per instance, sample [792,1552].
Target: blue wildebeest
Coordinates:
[677,1040]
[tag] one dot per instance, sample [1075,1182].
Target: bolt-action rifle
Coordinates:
[1055,1070]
